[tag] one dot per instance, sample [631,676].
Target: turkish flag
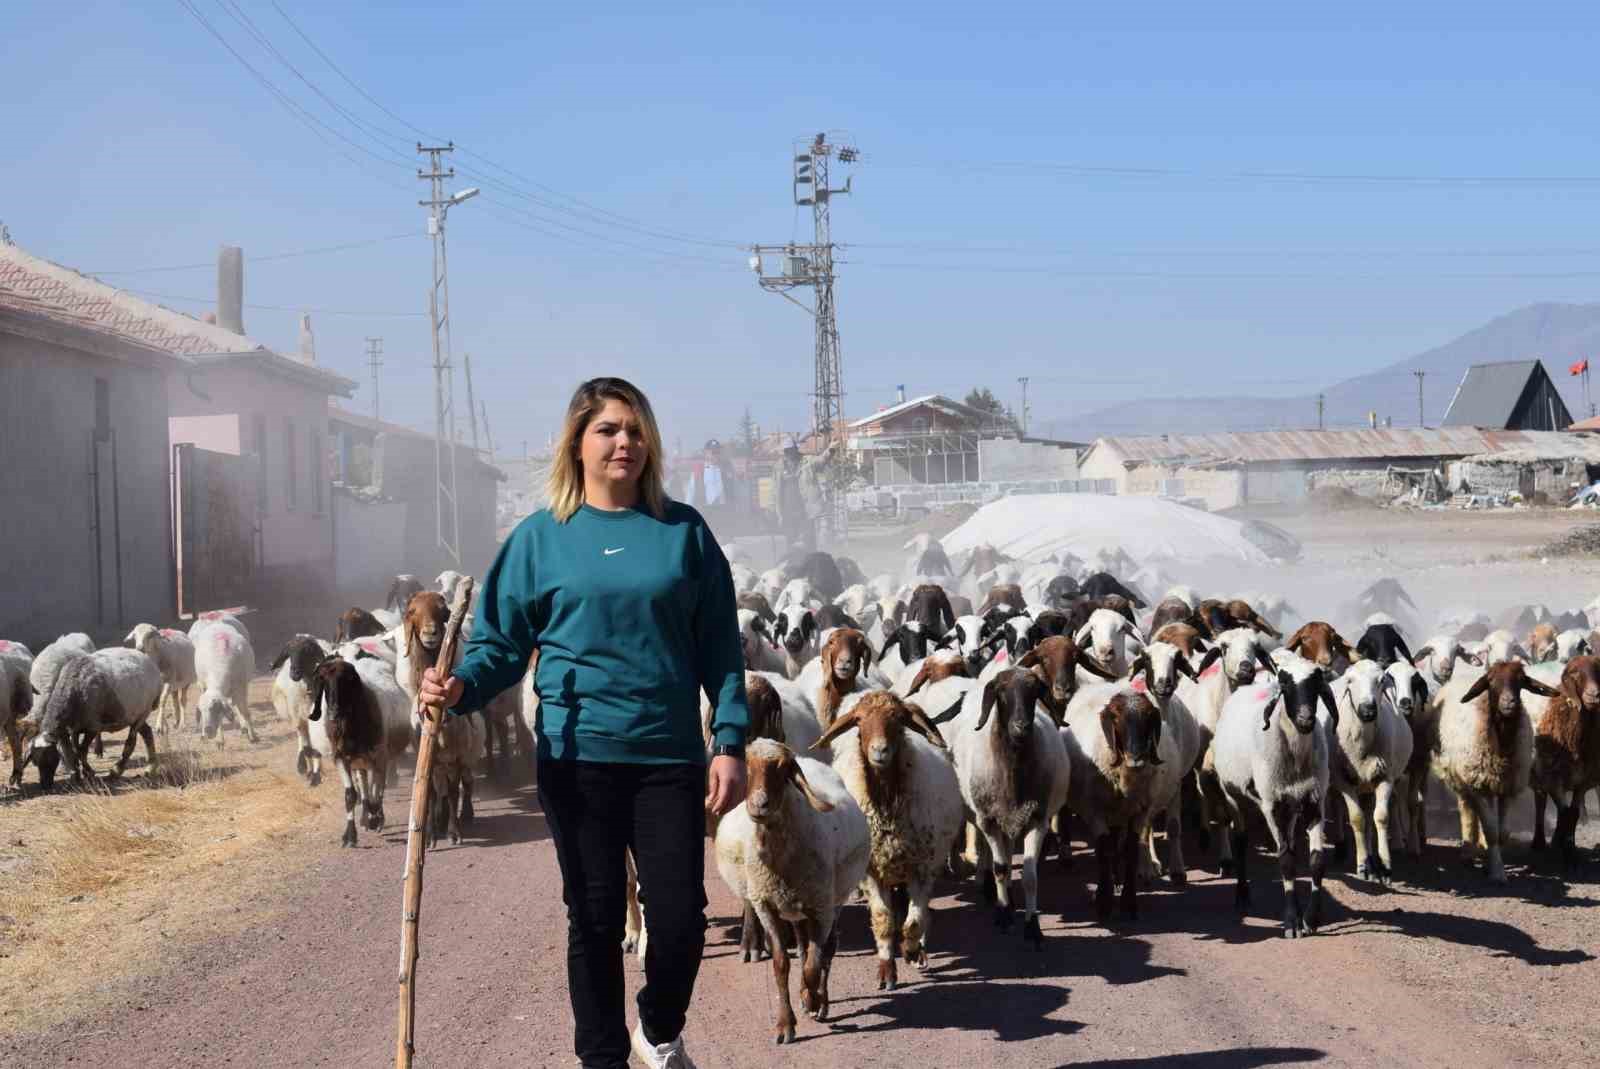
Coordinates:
[1580,367]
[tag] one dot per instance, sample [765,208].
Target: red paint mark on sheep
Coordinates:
[1138,684]
[1212,669]
[170,633]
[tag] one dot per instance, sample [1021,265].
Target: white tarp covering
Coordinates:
[1033,526]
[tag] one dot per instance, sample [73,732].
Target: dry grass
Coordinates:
[103,882]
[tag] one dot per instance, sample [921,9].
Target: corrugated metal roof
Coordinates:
[1590,424]
[932,400]
[1488,394]
[1360,444]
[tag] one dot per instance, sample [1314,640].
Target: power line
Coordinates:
[211,264]
[1092,273]
[1250,175]
[281,307]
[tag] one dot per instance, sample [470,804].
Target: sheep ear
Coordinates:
[821,805]
[759,626]
[1094,667]
[1476,689]
[1296,640]
[838,727]
[1533,686]
[990,692]
[1185,667]
[917,720]
[1081,636]
[1264,659]
[316,698]
[1325,692]
[1421,656]
[1211,657]
[1108,727]
[1029,659]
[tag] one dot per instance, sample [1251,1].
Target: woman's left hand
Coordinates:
[725,785]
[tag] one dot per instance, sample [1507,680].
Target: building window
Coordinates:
[289,468]
[318,464]
[261,462]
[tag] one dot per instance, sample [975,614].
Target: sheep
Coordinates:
[224,661]
[796,632]
[1206,697]
[1219,616]
[400,590]
[294,666]
[1271,756]
[1382,642]
[1484,751]
[799,594]
[770,584]
[445,584]
[1438,657]
[1111,640]
[906,644]
[821,571]
[895,765]
[1324,647]
[216,616]
[1541,644]
[48,664]
[1004,594]
[755,638]
[1014,779]
[1566,753]
[1502,645]
[1102,583]
[360,734]
[372,645]
[16,699]
[458,747]
[109,690]
[1056,661]
[1114,740]
[800,727]
[933,669]
[173,653]
[357,623]
[1367,752]
[794,850]
[1572,643]
[1157,672]
[1172,610]
[744,577]
[836,671]
[1409,805]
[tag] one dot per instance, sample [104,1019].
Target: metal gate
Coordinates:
[216,530]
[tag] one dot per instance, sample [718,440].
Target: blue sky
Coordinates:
[1002,222]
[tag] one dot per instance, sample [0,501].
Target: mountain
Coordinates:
[1558,334]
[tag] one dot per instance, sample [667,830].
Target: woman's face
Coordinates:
[613,448]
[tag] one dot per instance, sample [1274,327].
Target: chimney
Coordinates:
[900,394]
[308,342]
[230,289]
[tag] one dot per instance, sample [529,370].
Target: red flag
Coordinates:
[1580,367]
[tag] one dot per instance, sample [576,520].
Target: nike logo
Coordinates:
[608,552]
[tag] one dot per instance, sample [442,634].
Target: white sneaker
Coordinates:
[666,1056]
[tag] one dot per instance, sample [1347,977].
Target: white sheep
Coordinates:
[1369,747]
[224,662]
[1113,736]
[1270,756]
[1158,671]
[173,653]
[1484,751]
[106,691]
[796,632]
[48,664]
[1571,643]
[1502,645]
[761,654]
[794,850]
[895,765]
[295,666]
[16,699]
[1408,808]
[797,594]
[1111,639]
[1438,657]
[1014,774]
[1243,654]
[213,617]
[744,577]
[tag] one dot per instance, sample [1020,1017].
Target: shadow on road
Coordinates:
[968,1006]
[1503,940]
[1238,1058]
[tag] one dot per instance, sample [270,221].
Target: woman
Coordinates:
[630,603]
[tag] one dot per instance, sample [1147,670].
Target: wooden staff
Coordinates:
[411,910]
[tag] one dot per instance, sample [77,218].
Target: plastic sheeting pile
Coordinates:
[1035,526]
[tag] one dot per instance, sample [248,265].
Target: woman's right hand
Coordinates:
[440,693]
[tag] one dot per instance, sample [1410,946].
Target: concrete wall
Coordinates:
[1220,488]
[47,568]
[403,470]
[370,544]
[1003,459]
[1104,464]
[297,532]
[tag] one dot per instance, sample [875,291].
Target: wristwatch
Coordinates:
[728,749]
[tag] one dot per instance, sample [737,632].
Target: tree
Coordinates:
[983,399]
[748,433]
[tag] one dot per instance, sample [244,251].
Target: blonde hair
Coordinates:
[565,484]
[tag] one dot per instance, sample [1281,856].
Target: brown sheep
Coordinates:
[936,668]
[1182,635]
[1566,754]
[1542,643]
[757,603]
[1056,661]
[357,623]
[1003,594]
[844,657]
[1320,644]
[1173,611]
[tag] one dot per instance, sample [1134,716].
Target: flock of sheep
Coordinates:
[968,710]
[949,718]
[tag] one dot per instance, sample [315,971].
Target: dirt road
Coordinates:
[1421,975]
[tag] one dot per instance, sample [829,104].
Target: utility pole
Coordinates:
[375,361]
[1321,401]
[812,266]
[472,406]
[1023,379]
[444,414]
[1421,422]
[488,439]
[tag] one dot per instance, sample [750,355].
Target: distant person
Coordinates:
[793,516]
[630,603]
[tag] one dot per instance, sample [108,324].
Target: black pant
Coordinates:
[595,812]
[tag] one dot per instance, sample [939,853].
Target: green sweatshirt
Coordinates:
[631,616]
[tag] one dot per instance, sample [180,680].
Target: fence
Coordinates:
[895,500]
